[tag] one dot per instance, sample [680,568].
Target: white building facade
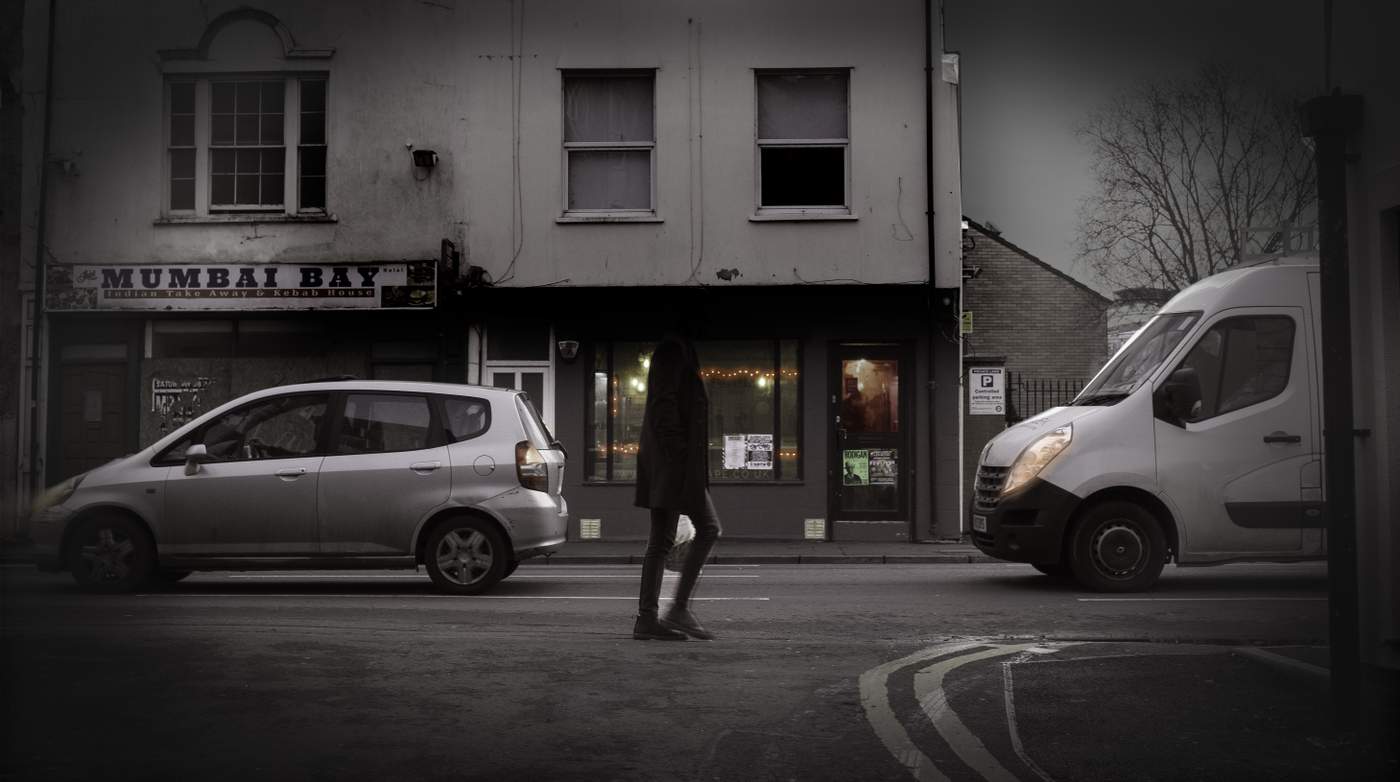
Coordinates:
[521,193]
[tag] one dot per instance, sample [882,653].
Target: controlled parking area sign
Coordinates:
[986,390]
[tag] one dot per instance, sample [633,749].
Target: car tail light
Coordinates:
[530,467]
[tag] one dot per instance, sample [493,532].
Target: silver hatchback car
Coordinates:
[464,480]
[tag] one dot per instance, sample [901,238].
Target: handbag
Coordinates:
[685,535]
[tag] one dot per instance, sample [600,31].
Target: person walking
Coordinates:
[673,476]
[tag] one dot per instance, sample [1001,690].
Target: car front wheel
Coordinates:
[466,556]
[111,553]
[1118,546]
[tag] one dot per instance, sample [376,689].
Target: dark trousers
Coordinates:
[659,543]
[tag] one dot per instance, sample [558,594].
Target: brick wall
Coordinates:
[1040,322]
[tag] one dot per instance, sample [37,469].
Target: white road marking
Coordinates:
[1199,599]
[928,688]
[874,696]
[1283,660]
[515,577]
[1011,721]
[447,597]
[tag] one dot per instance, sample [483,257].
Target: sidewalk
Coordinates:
[735,551]
[795,552]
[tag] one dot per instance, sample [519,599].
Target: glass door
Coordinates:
[869,433]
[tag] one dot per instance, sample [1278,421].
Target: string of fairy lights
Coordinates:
[630,449]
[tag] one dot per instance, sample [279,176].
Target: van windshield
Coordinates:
[1137,359]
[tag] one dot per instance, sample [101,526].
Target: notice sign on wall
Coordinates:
[748,452]
[266,286]
[986,390]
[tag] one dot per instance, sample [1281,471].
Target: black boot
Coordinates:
[649,628]
[680,618]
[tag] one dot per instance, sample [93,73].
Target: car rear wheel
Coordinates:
[466,556]
[1118,546]
[111,553]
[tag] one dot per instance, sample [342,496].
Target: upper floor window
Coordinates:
[246,144]
[609,142]
[803,142]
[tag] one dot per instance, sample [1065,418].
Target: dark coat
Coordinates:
[673,470]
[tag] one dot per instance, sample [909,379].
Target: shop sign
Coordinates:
[265,286]
[986,390]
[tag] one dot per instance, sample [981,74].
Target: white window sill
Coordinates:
[249,217]
[799,215]
[608,217]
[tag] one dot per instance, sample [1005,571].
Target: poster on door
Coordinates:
[855,466]
[884,465]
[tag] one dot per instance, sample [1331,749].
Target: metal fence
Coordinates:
[1027,396]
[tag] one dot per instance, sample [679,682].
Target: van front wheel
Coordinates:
[1118,546]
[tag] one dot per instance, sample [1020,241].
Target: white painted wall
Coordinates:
[447,76]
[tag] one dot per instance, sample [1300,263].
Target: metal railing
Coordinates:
[1027,396]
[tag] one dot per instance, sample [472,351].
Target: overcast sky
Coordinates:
[1033,70]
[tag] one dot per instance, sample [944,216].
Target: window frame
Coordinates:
[1223,323]
[204,209]
[196,435]
[828,212]
[605,347]
[437,424]
[649,214]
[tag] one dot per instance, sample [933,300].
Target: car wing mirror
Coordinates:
[195,455]
[1180,394]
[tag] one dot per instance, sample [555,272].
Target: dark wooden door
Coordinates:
[93,421]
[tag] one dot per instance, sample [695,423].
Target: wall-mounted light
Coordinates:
[425,158]
[568,349]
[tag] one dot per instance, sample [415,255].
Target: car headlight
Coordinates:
[57,494]
[1036,456]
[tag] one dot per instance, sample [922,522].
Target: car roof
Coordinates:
[1276,282]
[450,389]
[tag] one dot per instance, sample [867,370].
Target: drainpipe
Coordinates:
[37,477]
[1330,120]
[944,178]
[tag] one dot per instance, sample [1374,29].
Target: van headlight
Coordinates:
[1036,456]
[56,494]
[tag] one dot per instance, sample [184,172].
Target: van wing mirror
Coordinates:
[1179,396]
[195,455]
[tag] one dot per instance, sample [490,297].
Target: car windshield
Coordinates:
[1137,359]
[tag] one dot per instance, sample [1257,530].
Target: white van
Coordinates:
[1200,441]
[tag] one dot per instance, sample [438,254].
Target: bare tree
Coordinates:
[1184,171]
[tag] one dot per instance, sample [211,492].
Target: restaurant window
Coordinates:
[755,409]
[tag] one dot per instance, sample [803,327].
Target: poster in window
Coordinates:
[856,467]
[735,451]
[760,452]
[884,465]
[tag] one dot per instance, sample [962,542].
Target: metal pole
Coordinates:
[1330,120]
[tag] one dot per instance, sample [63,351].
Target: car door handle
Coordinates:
[423,468]
[291,473]
[1283,437]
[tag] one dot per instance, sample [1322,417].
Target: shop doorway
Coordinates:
[871,459]
[93,419]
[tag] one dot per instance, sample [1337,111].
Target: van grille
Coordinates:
[988,487]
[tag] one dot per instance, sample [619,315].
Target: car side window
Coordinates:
[1240,362]
[380,423]
[467,417]
[276,428]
